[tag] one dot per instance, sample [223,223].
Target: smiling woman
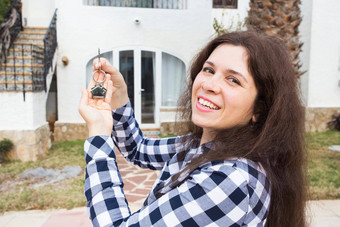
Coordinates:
[242,161]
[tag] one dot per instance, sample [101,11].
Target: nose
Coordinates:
[212,84]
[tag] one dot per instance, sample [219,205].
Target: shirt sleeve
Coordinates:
[146,152]
[211,196]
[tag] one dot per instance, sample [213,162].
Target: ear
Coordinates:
[254,118]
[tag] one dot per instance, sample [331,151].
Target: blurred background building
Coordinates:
[152,43]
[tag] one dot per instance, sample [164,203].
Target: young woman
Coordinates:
[241,162]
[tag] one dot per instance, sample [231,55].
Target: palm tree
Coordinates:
[280,18]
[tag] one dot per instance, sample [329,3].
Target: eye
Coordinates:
[208,70]
[233,80]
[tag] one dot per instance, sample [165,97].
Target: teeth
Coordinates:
[207,104]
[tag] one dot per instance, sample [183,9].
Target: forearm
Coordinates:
[103,183]
[145,152]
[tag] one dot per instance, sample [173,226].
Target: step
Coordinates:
[26,39]
[35,29]
[22,65]
[23,60]
[27,47]
[9,70]
[19,87]
[27,51]
[3,74]
[21,42]
[151,132]
[17,80]
[28,35]
[32,32]
[19,53]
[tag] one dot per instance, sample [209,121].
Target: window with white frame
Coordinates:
[231,4]
[160,4]
[173,79]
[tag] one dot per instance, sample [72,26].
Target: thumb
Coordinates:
[83,101]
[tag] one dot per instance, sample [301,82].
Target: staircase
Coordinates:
[24,68]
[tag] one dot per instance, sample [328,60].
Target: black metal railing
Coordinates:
[160,4]
[50,45]
[38,68]
[10,28]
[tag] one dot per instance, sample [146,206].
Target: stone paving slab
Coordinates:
[32,218]
[324,213]
[72,218]
[138,183]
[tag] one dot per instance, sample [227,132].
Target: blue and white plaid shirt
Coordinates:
[221,193]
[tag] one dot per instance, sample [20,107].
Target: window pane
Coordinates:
[173,79]
[126,67]
[232,4]
[148,87]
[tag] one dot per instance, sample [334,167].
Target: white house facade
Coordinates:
[152,43]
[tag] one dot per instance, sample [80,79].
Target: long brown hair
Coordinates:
[275,139]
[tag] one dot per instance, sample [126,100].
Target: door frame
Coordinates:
[137,54]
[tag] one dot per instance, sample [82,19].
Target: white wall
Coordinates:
[306,8]
[17,114]
[37,13]
[323,88]
[82,29]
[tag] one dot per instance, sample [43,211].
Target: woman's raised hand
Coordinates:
[97,112]
[119,89]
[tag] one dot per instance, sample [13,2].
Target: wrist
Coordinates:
[99,130]
[119,100]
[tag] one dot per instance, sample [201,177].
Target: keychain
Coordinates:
[98,91]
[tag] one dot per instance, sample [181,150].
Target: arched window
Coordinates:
[173,79]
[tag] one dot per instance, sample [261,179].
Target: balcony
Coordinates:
[157,4]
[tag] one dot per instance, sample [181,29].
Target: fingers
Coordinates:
[109,87]
[105,66]
[116,76]
[84,97]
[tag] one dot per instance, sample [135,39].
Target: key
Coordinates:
[98,91]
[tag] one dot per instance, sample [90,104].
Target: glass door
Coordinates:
[126,67]
[139,71]
[148,87]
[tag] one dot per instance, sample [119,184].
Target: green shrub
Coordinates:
[334,124]
[4,5]
[5,146]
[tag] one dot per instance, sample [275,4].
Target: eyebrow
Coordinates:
[231,71]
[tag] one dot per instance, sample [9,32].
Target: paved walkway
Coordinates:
[138,182]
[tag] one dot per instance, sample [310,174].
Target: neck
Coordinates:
[207,136]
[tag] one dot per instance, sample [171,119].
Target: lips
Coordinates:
[207,104]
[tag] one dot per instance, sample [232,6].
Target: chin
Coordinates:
[199,122]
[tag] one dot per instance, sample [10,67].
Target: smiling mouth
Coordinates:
[208,104]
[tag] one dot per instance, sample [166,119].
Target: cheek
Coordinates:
[196,85]
[243,102]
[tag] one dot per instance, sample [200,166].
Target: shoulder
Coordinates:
[249,171]
[244,175]
[252,179]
